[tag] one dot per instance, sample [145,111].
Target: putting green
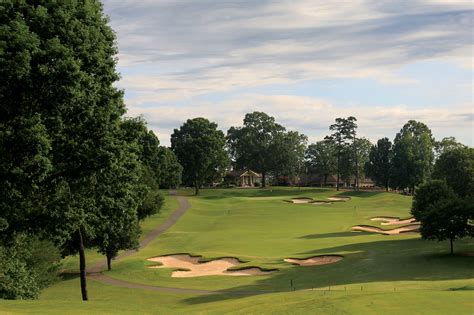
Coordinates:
[386,273]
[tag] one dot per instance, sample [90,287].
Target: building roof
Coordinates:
[250,173]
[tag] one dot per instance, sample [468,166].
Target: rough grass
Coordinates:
[380,274]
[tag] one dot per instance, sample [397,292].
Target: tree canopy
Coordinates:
[378,167]
[200,149]
[412,155]
[320,159]
[456,167]
[60,117]
[442,214]
[265,146]
[343,133]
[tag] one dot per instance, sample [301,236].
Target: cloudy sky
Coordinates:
[305,62]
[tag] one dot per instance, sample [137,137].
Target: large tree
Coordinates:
[378,167]
[252,146]
[320,159]
[57,62]
[134,130]
[446,144]
[443,215]
[412,155]
[288,149]
[170,170]
[120,194]
[361,151]
[343,134]
[200,149]
[456,167]
[265,146]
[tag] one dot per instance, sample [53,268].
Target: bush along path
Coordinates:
[95,272]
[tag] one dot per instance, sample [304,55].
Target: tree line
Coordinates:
[443,170]
[75,173]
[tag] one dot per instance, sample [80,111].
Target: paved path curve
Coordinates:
[95,272]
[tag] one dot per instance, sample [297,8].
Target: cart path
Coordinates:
[95,272]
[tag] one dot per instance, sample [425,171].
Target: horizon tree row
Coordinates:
[260,144]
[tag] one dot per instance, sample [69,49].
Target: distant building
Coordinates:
[247,178]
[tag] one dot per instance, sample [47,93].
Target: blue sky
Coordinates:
[304,62]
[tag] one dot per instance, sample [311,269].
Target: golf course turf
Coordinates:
[387,274]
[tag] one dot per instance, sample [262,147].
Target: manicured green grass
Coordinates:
[71,263]
[379,275]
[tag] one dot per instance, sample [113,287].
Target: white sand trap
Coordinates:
[339,198]
[316,260]
[374,229]
[194,268]
[393,220]
[301,200]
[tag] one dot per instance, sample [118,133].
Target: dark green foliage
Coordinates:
[250,145]
[150,205]
[447,144]
[24,166]
[57,64]
[148,153]
[378,167]
[264,146]
[456,167]
[170,169]
[412,155]
[361,151]
[344,133]
[119,196]
[26,266]
[442,214]
[288,153]
[200,149]
[321,159]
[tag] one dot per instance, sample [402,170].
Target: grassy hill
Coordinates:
[387,274]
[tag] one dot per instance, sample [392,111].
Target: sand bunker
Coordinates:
[315,261]
[301,200]
[393,220]
[194,268]
[307,200]
[339,198]
[404,229]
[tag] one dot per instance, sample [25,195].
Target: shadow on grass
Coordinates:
[380,261]
[337,234]
[65,276]
[222,193]
[360,194]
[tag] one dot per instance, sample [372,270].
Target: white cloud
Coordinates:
[174,51]
[311,116]
[200,46]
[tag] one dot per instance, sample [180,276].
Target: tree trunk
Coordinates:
[386,188]
[82,266]
[196,188]
[356,166]
[325,179]
[264,180]
[338,167]
[452,249]
[109,261]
